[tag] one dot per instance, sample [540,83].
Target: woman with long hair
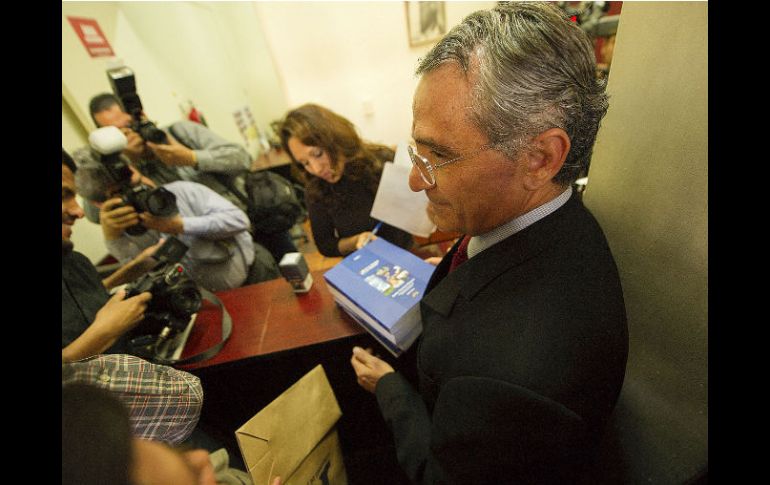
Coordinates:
[341,173]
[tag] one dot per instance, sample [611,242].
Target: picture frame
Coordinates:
[425,22]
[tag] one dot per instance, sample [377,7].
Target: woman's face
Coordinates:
[316,161]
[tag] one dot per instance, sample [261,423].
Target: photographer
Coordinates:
[163,403]
[99,446]
[193,153]
[221,249]
[92,321]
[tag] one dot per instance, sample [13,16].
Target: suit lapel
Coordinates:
[472,276]
[442,290]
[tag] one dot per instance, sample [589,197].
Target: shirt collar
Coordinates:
[481,242]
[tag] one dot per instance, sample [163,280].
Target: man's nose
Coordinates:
[74,210]
[416,183]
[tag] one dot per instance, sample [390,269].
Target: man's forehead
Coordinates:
[113,115]
[67,175]
[442,106]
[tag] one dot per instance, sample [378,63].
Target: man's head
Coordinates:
[106,110]
[512,93]
[94,181]
[98,447]
[70,209]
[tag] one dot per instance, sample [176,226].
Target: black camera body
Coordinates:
[157,201]
[175,297]
[109,142]
[123,84]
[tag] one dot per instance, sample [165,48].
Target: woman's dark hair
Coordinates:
[317,126]
[96,437]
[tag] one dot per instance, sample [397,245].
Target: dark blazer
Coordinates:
[82,296]
[520,362]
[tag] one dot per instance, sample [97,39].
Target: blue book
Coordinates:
[380,286]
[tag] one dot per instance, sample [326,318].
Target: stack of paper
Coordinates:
[380,286]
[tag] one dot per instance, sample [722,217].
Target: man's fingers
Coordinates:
[143,297]
[358,366]
[362,355]
[112,204]
[116,210]
[127,219]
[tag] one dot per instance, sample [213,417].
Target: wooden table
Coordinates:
[269,318]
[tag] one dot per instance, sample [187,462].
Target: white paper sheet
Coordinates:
[396,204]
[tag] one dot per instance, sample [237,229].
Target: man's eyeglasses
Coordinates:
[425,167]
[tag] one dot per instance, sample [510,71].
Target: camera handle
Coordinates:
[227,327]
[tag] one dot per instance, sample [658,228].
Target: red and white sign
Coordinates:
[91,36]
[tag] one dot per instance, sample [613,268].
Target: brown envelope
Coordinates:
[294,436]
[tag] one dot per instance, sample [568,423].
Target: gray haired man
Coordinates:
[525,340]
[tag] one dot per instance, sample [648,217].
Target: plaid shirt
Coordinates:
[163,403]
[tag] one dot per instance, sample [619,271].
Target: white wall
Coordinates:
[345,54]
[649,189]
[86,236]
[209,52]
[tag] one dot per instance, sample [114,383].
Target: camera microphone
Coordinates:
[107,140]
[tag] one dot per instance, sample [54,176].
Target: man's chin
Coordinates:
[443,224]
[66,246]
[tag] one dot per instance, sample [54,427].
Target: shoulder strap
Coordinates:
[224,179]
[228,183]
[227,327]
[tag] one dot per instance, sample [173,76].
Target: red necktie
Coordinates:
[461,255]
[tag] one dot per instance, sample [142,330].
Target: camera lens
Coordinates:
[161,202]
[185,299]
[151,133]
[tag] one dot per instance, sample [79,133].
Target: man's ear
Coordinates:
[546,159]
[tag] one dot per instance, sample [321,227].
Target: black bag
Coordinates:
[273,203]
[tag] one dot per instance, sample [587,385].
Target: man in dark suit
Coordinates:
[524,342]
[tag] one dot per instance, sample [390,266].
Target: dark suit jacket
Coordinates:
[520,362]
[82,296]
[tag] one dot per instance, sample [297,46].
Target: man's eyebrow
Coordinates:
[433,144]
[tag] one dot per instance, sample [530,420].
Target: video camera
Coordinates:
[175,298]
[123,85]
[109,142]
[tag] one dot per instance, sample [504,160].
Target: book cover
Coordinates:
[380,286]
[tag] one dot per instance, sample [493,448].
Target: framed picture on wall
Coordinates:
[425,22]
